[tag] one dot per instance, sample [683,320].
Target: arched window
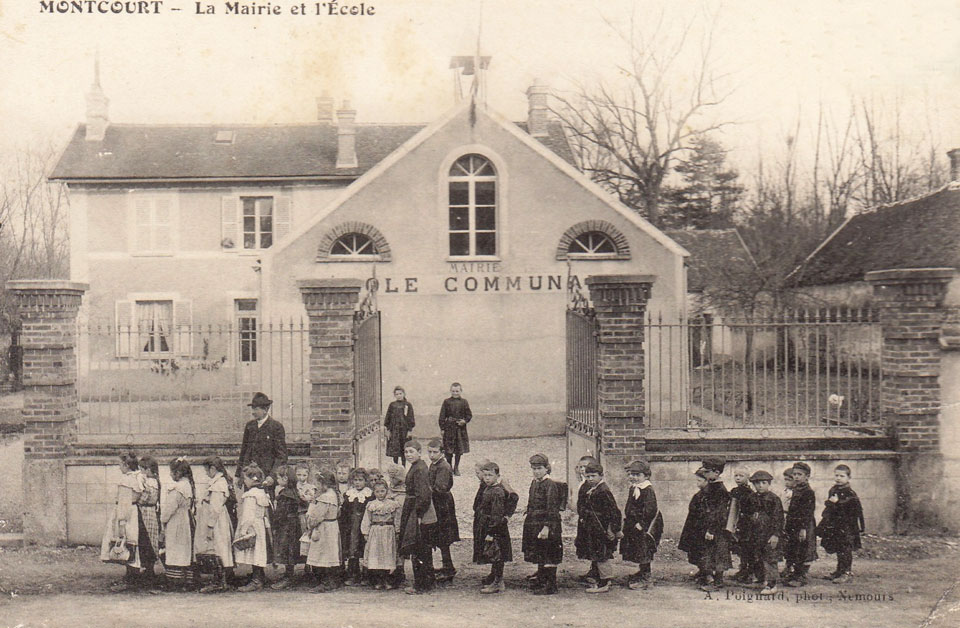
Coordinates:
[592,243]
[593,240]
[353,242]
[353,245]
[473,207]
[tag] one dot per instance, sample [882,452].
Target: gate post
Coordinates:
[912,316]
[48,313]
[330,305]
[620,302]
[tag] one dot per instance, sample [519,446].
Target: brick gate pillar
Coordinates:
[48,315]
[912,315]
[330,305]
[620,302]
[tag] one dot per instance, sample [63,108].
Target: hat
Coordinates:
[491,466]
[539,460]
[802,466]
[761,475]
[638,466]
[594,467]
[714,464]
[260,400]
[701,472]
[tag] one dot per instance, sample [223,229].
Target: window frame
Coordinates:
[152,199]
[374,253]
[500,180]
[257,221]
[586,255]
[250,336]
[148,336]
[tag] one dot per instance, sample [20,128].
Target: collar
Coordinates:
[352,493]
[546,477]
[264,419]
[641,485]
[598,485]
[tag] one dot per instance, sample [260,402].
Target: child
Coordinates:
[285,527]
[343,471]
[788,568]
[351,515]
[477,500]
[642,524]
[691,537]
[149,505]
[590,577]
[841,524]
[598,524]
[454,416]
[398,423]
[374,476]
[306,492]
[800,536]
[179,524]
[492,528]
[418,521]
[397,491]
[324,553]
[716,510]
[440,477]
[213,539]
[253,522]
[379,527]
[766,530]
[542,534]
[123,526]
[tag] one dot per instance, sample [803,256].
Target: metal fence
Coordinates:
[176,382]
[801,368]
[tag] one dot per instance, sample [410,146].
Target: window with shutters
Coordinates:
[153,224]
[472,185]
[154,327]
[255,222]
[246,313]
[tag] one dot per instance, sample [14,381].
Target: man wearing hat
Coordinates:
[264,441]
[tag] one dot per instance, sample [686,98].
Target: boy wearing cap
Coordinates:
[800,537]
[741,501]
[691,537]
[766,530]
[591,576]
[492,528]
[716,510]
[642,524]
[841,524]
[542,537]
[598,526]
[417,521]
[440,477]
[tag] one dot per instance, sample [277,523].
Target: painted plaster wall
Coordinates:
[950,419]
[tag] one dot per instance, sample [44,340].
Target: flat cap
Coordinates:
[638,466]
[761,476]
[593,467]
[701,472]
[714,464]
[802,466]
[539,460]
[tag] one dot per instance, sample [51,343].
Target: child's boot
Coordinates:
[548,582]
[602,586]
[535,578]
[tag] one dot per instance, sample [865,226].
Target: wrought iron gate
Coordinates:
[583,420]
[367,391]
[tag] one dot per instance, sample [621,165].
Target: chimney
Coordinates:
[97,104]
[346,136]
[537,109]
[325,109]
[954,156]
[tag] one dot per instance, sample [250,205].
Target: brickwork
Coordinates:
[620,302]
[330,305]
[48,314]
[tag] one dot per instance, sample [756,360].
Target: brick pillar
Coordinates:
[330,305]
[912,314]
[48,314]
[620,302]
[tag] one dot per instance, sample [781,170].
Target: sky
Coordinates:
[777,60]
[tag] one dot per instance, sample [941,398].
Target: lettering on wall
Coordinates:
[472,283]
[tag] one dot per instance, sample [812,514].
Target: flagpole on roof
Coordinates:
[476,88]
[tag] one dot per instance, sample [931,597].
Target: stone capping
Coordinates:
[379,242]
[46,285]
[910,275]
[332,285]
[616,236]
[619,289]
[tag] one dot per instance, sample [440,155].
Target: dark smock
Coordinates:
[598,514]
[801,516]
[716,509]
[743,496]
[351,516]
[841,522]
[285,526]
[398,423]
[639,545]
[455,439]
[440,477]
[413,534]
[492,521]
[766,522]
[692,535]
[477,539]
[543,509]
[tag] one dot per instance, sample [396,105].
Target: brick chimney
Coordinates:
[954,156]
[537,109]
[346,136]
[97,105]
[325,109]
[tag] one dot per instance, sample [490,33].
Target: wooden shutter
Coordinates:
[183,327]
[281,217]
[126,330]
[163,224]
[230,223]
[142,224]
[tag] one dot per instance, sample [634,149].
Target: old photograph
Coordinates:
[479,313]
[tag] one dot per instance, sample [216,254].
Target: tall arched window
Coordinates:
[473,207]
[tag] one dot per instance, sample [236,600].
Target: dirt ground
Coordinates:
[909,582]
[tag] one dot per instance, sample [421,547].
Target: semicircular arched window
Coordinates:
[592,243]
[593,240]
[353,242]
[353,245]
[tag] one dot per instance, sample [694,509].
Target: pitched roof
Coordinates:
[709,248]
[133,151]
[920,233]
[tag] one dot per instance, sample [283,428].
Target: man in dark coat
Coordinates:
[264,442]
[454,415]
[800,537]
[598,526]
[440,477]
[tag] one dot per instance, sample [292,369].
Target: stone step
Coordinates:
[11,539]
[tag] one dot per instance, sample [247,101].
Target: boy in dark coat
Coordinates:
[841,524]
[800,537]
[492,527]
[766,529]
[591,576]
[691,536]
[542,534]
[441,481]
[716,510]
[642,524]
[454,416]
[398,423]
[598,526]
[739,521]
[418,521]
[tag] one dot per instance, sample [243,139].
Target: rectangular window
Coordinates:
[246,311]
[257,221]
[154,326]
[153,227]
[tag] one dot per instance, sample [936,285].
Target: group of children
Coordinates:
[354,526]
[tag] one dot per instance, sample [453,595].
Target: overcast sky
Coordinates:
[179,67]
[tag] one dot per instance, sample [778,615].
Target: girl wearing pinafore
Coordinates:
[149,506]
[214,535]
[252,521]
[379,526]
[324,552]
[123,524]
[179,523]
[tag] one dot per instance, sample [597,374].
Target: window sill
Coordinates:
[473,258]
[579,257]
[348,259]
